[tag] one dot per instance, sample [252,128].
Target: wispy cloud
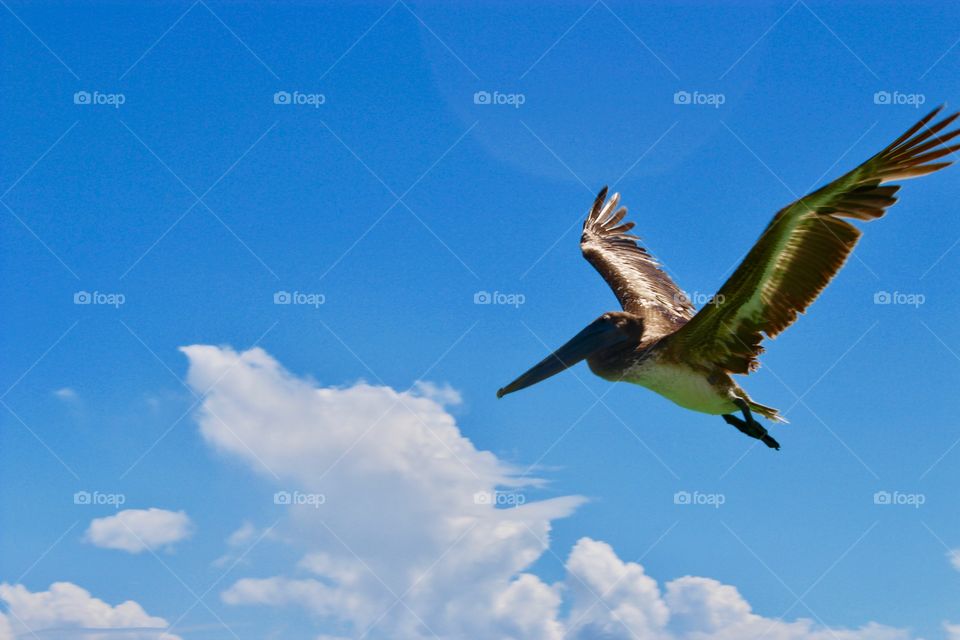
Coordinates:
[67,394]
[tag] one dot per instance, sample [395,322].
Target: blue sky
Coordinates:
[394,202]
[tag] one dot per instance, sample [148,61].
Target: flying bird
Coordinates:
[659,341]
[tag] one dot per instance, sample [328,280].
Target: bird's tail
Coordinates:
[767,412]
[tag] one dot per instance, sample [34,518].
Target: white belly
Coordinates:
[684,386]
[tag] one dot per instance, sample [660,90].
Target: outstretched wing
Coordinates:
[801,250]
[633,274]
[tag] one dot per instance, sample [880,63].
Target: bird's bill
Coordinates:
[595,336]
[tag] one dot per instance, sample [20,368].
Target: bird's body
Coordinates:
[682,384]
[659,341]
[703,389]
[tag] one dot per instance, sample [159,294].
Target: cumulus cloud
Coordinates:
[399,482]
[617,600]
[611,598]
[136,530]
[401,546]
[69,611]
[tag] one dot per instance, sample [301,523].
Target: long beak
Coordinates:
[595,336]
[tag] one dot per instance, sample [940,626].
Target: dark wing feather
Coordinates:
[801,250]
[633,274]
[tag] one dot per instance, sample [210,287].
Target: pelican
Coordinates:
[659,341]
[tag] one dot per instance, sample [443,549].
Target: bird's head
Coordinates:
[610,332]
[626,324]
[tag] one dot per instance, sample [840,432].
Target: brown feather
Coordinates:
[801,250]
[635,276]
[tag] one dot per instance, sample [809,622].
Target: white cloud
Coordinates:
[631,605]
[954,557]
[442,394]
[136,530]
[243,536]
[400,521]
[240,543]
[66,394]
[74,613]
[952,631]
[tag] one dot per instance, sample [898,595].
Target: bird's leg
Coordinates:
[754,430]
[733,420]
[747,416]
[749,425]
